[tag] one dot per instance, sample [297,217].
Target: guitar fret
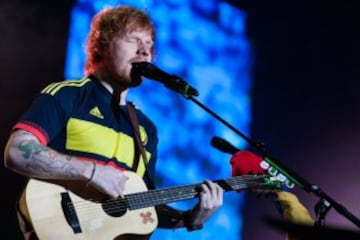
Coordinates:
[163,196]
[160,196]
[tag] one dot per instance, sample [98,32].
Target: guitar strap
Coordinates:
[138,146]
[168,216]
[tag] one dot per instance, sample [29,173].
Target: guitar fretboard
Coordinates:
[174,194]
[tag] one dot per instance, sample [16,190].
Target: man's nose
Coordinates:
[143,50]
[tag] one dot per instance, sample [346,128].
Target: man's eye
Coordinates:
[130,39]
[133,40]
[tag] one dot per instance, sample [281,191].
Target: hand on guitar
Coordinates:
[108,180]
[211,198]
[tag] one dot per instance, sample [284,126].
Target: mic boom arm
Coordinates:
[177,84]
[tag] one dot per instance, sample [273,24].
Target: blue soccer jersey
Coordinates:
[78,118]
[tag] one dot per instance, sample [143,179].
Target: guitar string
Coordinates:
[115,206]
[164,194]
[168,193]
[112,206]
[110,211]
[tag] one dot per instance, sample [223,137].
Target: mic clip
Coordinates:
[181,86]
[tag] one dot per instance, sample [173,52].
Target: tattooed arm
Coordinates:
[26,155]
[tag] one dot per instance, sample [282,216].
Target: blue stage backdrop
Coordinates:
[205,43]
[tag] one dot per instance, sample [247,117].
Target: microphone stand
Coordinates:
[325,202]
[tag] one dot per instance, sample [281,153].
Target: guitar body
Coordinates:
[70,210]
[44,204]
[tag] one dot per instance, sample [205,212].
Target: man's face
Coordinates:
[135,46]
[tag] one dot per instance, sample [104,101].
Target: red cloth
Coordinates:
[246,162]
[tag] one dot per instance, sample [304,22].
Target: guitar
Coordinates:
[66,210]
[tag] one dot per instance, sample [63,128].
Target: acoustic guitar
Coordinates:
[65,210]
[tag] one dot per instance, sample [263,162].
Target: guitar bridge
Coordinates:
[70,213]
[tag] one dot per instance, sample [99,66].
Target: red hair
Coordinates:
[108,24]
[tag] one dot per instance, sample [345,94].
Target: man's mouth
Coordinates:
[137,60]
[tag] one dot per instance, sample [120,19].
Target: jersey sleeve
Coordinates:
[46,116]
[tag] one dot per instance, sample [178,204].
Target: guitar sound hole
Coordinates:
[115,207]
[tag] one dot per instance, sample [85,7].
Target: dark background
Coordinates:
[305,99]
[32,53]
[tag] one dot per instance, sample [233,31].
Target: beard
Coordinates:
[123,80]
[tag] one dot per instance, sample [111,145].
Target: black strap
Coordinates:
[140,148]
[115,106]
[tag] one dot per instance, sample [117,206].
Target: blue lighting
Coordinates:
[205,43]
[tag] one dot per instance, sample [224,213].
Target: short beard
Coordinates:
[122,82]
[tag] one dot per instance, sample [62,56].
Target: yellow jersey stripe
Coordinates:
[76,83]
[49,87]
[85,136]
[54,87]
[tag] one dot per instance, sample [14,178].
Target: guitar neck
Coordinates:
[168,195]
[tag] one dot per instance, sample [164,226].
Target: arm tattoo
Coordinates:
[44,160]
[30,147]
[50,168]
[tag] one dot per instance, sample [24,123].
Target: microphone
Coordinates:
[172,82]
[223,145]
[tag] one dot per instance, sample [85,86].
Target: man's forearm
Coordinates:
[25,154]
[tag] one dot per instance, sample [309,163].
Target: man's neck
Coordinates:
[118,95]
[118,92]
